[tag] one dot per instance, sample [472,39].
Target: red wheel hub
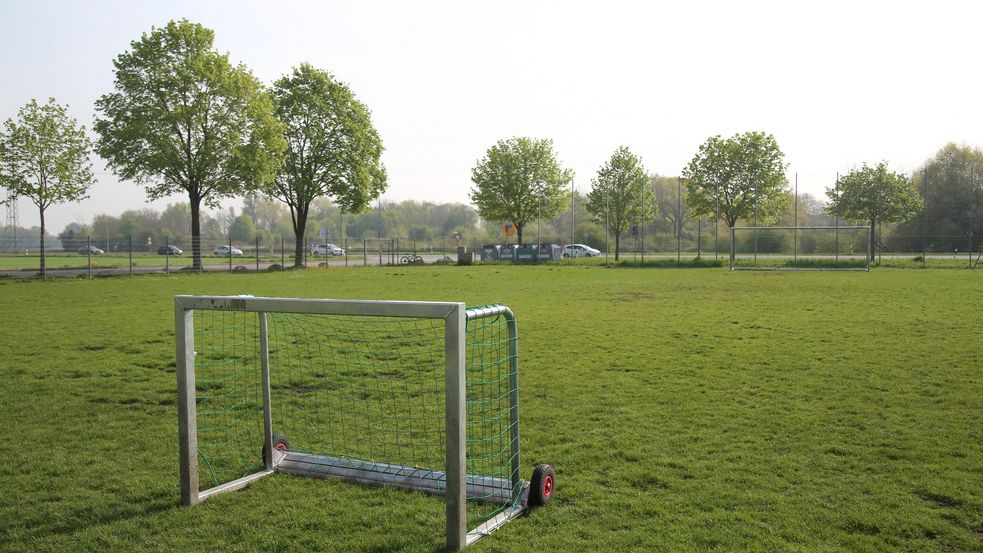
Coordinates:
[547,486]
[281,447]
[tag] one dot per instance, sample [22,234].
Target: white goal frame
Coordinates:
[733,248]
[455,484]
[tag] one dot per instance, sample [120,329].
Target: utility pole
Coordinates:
[12,221]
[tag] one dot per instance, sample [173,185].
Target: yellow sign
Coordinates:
[508,229]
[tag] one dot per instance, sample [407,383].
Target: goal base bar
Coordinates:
[232,486]
[494,523]
[483,489]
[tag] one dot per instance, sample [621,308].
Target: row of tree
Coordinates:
[183,119]
[269,222]
[741,179]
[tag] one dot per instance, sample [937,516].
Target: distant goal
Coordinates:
[415,395]
[820,248]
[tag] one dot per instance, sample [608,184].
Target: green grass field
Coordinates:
[684,410]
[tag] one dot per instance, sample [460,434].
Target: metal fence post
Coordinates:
[257,252]
[732,248]
[88,251]
[167,256]
[129,249]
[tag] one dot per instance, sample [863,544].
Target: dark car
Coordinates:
[169,250]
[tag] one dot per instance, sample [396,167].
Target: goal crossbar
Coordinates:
[454,483]
[795,229]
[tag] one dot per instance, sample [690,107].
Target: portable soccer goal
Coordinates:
[823,248]
[416,395]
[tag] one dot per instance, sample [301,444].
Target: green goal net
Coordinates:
[353,390]
[822,248]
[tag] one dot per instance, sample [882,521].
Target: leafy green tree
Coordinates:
[518,180]
[333,149]
[672,213]
[242,229]
[741,177]
[950,182]
[872,195]
[175,223]
[44,156]
[183,118]
[620,195]
[73,237]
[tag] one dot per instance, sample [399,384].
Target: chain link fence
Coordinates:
[129,255]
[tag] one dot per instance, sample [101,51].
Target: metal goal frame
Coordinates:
[457,484]
[733,248]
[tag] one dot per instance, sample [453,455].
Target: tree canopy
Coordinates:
[332,148]
[44,156]
[742,177]
[872,195]
[950,182]
[183,118]
[519,180]
[620,195]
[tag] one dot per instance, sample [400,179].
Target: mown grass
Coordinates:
[684,410]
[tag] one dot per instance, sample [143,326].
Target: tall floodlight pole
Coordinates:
[836,214]
[573,213]
[716,221]
[924,212]
[795,222]
[972,212]
[607,214]
[539,224]
[679,215]
[755,223]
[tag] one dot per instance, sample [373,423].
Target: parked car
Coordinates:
[326,249]
[90,250]
[579,250]
[224,251]
[169,250]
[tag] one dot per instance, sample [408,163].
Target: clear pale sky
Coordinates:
[837,83]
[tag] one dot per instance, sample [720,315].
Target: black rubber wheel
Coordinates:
[541,485]
[280,443]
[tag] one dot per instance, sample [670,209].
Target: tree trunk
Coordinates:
[617,245]
[44,272]
[518,231]
[195,203]
[300,227]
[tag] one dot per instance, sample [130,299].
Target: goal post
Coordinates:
[806,248]
[414,395]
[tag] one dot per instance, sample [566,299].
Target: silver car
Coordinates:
[580,250]
[225,251]
[326,249]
